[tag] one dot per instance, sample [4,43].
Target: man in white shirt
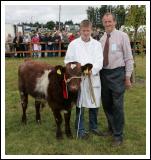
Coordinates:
[87,50]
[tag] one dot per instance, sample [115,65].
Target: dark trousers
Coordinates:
[113,87]
[50,47]
[93,112]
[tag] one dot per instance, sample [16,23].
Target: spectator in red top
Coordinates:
[71,37]
[36,45]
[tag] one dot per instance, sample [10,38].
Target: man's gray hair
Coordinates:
[109,14]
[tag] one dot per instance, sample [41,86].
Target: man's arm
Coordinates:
[128,59]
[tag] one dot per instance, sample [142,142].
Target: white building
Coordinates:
[9,28]
[12,29]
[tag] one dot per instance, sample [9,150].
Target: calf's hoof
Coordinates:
[38,121]
[70,136]
[24,120]
[59,136]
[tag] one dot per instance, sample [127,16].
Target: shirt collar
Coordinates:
[88,41]
[111,32]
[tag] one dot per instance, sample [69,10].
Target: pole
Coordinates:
[59,15]
[59,29]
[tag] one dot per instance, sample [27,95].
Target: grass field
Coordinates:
[33,139]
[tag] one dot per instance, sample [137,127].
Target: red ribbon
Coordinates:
[65,92]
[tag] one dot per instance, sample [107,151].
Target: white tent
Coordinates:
[142,28]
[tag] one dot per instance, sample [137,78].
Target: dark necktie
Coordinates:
[106,51]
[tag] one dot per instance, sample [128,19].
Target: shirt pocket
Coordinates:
[115,48]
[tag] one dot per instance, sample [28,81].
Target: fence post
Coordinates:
[59,48]
[30,49]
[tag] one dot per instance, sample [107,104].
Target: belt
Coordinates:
[113,70]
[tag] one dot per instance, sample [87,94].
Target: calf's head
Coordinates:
[73,76]
[70,75]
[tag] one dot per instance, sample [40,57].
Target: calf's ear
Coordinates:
[87,67]
[60,70]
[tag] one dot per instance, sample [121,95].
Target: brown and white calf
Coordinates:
[58,85]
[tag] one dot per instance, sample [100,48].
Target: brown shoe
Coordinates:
[84,136]
[116,142]
[97,132]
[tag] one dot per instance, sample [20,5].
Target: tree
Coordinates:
[57,25]
[31,24]
[36,24]
[102,10]
[70,22]
[50,25]
[95,14]
[135,17]
[120,13]
[90,14]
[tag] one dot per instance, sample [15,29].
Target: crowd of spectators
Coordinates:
[52,41]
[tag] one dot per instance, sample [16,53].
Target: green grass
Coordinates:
[33,139]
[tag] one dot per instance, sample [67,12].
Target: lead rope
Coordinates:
[78,123]
[93,99]
[80,106]
[67,81]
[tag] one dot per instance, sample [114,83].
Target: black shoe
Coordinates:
[97,132]
[84,135]
[117,142]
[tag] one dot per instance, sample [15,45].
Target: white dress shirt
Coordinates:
[120,53]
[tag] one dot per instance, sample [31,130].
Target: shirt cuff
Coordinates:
[128,74]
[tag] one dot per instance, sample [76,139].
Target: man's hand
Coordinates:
[128,83]
[90,72]
[87,72]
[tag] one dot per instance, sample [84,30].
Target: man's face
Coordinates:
[85,33]
[108,23]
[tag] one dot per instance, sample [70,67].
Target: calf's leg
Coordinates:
[24,102]
[58,119]
[67,124]
[37,107]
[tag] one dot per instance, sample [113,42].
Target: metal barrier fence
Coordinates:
[30,50]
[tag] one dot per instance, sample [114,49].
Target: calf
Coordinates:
[57,85]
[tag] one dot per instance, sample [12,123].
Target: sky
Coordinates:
[45,13]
